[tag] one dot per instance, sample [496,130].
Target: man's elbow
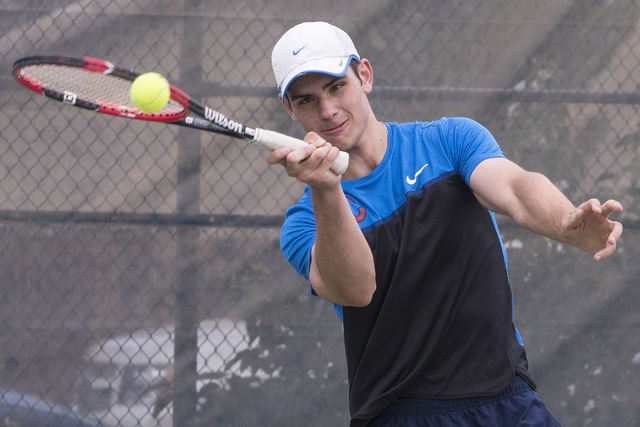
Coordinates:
[361,300]
[348,289]
[359,296]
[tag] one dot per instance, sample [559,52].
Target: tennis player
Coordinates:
[405,246]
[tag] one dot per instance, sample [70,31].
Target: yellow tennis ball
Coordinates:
[150,92]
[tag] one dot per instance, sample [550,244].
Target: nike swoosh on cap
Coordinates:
[295,52]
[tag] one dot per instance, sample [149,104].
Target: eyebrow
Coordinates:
[324,87]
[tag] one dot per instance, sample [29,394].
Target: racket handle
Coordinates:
[273,140]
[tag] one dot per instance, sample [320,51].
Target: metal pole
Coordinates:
[188,202]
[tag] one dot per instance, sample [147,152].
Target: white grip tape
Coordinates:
[271,140]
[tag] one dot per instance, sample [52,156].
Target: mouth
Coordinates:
[335,130]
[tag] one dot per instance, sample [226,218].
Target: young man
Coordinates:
[405,245]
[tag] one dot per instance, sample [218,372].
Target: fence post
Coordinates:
[188,202]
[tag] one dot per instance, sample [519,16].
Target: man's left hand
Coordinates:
[589,228]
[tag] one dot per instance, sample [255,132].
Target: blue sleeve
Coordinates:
[298,234]
[468,143]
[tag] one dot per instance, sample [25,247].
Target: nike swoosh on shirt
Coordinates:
[415,177]
[295,52]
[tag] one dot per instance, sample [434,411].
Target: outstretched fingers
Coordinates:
[612,241]
[615,227]
[591,207]
[611,206]
[589,228]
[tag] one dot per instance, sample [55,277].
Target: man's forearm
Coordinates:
[342,268]
[540,206]
[528,197]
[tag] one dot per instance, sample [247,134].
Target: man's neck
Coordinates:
[364,158]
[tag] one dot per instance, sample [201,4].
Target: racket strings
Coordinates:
[90,86]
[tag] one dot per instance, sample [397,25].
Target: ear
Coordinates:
[366,75]
[287,106]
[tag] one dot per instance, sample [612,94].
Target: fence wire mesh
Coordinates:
[142,282]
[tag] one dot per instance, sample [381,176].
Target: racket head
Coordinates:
[93,84]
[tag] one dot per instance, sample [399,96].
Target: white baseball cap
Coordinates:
[311,47]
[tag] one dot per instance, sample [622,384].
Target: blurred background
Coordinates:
[141,280]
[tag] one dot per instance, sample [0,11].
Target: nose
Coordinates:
[327,108]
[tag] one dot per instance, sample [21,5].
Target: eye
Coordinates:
[336,87]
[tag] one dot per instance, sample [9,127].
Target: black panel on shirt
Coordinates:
[442,303]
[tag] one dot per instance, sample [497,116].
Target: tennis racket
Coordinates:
[100,86]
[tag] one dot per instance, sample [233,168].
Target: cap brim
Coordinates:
[331,66]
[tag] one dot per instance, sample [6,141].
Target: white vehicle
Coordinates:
[117,372]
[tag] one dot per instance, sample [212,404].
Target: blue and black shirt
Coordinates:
[440,324]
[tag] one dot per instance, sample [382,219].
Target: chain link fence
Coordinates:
[141,278]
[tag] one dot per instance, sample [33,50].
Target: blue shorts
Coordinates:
[519,405]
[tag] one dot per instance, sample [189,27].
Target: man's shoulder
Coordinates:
[443,125]
[443,121]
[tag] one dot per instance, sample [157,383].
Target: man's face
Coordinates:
[334,107]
